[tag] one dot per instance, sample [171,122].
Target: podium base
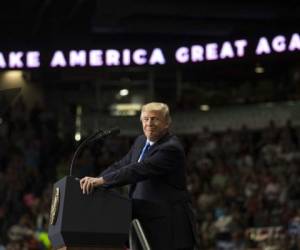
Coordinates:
[90,248]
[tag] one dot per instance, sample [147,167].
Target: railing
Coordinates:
[137,230]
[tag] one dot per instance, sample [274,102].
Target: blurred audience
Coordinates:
[245,184]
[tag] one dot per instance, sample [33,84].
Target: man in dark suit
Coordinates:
[154,167]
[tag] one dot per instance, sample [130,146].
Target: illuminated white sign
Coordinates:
[19,60]
[110,57]
[211,51]
[278,44]
[192,54]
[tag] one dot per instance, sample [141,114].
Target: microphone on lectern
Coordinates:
[95,137]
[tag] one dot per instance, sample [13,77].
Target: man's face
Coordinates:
[155,125]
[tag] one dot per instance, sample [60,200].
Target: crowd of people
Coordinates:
[244,184]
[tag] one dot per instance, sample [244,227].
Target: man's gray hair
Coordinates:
[157,106]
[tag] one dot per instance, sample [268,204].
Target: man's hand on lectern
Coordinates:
[87,184]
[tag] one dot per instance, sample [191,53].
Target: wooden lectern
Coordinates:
[100,220]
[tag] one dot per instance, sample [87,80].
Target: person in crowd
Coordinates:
[155,169]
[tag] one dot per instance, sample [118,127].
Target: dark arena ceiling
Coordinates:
[86,23]
[89,19]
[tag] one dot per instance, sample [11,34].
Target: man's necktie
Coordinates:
[144,151]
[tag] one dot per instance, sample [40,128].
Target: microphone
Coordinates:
[97,136]
[103,134]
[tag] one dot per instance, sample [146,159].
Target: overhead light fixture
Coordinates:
[124,92]
[12,79]
[77,136]
[204,107]
[125,109]
[259,69]
[78,122]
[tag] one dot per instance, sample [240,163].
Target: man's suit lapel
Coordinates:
[138,150]
[135,156]
[156,145]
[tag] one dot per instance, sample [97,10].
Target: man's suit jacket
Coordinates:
[158,191]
